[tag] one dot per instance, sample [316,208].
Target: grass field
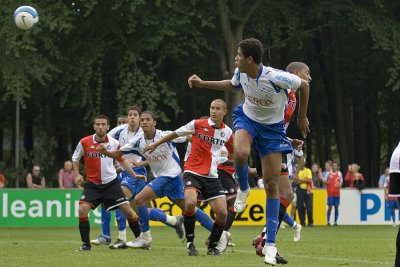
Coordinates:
[319,246]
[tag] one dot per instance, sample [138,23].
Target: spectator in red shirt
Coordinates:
[66,176]
[353,175]
[2,181]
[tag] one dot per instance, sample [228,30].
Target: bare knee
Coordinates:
[139,201]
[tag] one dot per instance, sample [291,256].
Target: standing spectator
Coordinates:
[316,175]
[354,177]
[304,196]
[66,176]
[382,178]
[328,168]
[334,181]
[2,181]
[35,179]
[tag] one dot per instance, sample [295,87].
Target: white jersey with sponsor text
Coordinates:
[99,168]
[266,96]
[395,160]
[123,135]
[164,160]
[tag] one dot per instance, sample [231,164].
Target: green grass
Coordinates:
[319,246]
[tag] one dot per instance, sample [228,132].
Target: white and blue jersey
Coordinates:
[266,96]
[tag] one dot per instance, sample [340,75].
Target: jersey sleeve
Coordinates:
[121,159]
[187,129]
[229,145]
[133,144]
[284,80]
[115,132]
[235,81]
[78,152]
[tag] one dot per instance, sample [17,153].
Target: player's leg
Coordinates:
[328,214]
[132,219]
[216,246]
[242,148]
[189,215]
[337,203]
[121,224]
[271,168]
[84,226]
[105,236]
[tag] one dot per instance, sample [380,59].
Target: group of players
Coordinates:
[259,123]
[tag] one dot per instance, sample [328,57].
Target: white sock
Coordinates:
[171,220]
[295,225]
[146,235]
[122,235]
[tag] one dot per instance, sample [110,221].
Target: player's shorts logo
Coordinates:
[283,166]
[83,196]
[188,183]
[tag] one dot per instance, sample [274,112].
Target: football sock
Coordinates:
[121,220]
[158,215]
[393,216]
[336,214]
[105,222]
[189,222]
[122,234]
[328,216]
[134,225]
[144,217]
[242,173]
[216,233]
[84,229]
[282,211]
[203,219]
[287,219]
[230,218]
[271,215]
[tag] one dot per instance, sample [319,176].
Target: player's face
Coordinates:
[327,166]
[304,74]
[133,118]
[147,123]
[101,127]
[241,62]
[334,167]
[121,121]
[217,111]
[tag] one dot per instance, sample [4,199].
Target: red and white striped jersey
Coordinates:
[99,168]
[290,107]
[207,143]
[395,160]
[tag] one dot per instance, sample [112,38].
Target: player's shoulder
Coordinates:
[87,140]
[112,140]
[201,123]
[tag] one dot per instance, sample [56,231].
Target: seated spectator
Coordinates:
[35,180]
[353,177]
[2,181]
[66,176]
[382,178]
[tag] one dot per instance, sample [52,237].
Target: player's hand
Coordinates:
[134,162]
[253,171]
[297,144]
[79,180]
[141,177]
[303,124]
[194,80]
[150,147]
[101,148]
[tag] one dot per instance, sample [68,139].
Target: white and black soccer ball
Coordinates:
[26,17]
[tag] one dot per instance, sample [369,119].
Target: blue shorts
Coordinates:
[392,204]
[334,201]
[133,184]
[171,187]
[266,138]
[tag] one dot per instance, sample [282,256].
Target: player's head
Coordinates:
[68,165]
[250,52]
[328,165]
[387,171]
[101,124]
[122,120]
[133,115]
[335,166]
[300,69]
[148,121]
[218,109]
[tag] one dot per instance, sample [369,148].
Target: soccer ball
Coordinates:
[26,17]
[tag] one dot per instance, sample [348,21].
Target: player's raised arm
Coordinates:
[302,120]
[151,147]
[195,80]
[112,154]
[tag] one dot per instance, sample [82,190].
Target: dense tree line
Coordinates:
[90,57]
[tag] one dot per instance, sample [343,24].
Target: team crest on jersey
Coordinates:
[205,129]
[232,190]
[188,183]
[222,134]
[83,197]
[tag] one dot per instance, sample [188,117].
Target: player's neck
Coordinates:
[133,128]
[253,71]
[217,124]
[100,139]
[149,134]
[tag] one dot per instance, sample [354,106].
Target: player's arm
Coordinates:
[225,85]
[295,176]
[78,177]
[151,147]
[138,164]
[302,120]
[116,154]
[129,169]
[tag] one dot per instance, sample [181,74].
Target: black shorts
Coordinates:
[284,166]
[227,182]
[111,195]
[394,186]
[209,188]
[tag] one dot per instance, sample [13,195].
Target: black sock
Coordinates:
[230,219]
[84,230]
[216,233]
[282,211]
[134,225]
[397,262]
[189,222]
